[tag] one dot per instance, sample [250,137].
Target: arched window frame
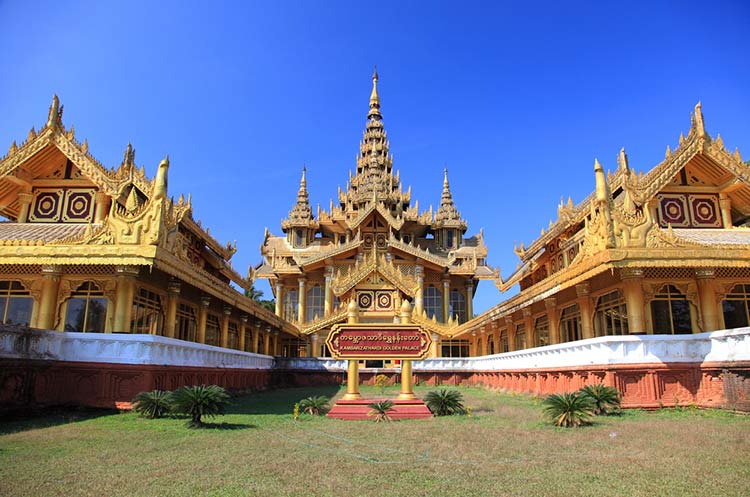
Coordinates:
[736,307]
[541,331]
[570,324]
[611,314]
[671,312]
[148,312]
[433,303]
[16,303]
[86,309]
[519,336]
[458,305]
[291,305]
[314,302]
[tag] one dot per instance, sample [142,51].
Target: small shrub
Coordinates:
[198,401]
[380,410]
[445,402]
[154,404]
[569,409]
[295,411]
[382,381]
[606,399]
[314,405]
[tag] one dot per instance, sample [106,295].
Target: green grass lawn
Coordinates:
[258,449]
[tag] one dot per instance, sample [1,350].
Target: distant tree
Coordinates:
[257,295]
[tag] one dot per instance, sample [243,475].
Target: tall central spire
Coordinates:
[374,98]
[374,178]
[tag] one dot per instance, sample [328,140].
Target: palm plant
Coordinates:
[314,405]
[569,409]
[380,410]
[198,401]
[606,399]
[445,402]
[154,404]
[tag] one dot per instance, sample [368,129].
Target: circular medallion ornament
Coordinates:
[47,206]
[384,301]
[704,212]
[364,300]
[78,206]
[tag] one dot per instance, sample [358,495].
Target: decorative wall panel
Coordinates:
[54,205]
[683,210]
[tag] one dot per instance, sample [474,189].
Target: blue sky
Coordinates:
[515,100]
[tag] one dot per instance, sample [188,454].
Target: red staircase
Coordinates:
[358,409]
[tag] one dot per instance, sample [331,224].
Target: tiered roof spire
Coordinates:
[301,213]
[447,214]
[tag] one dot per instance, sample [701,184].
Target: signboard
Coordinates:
[378,341]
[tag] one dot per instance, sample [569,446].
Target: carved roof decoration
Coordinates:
[622,210]
[301,214]
[447,215]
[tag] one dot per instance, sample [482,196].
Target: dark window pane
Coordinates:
[681,317]
[75,315]
[660,316]
[19,311]
[96,315]
[735,313]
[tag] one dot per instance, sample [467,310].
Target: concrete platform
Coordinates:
[358,409]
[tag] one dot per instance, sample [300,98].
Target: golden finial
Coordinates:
[374,97]
[601,182]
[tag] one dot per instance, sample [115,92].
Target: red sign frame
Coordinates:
[379,341]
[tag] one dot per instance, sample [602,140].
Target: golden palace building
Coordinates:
[377,249]
[91,249]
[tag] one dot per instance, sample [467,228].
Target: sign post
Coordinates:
[407,392]
[352,371]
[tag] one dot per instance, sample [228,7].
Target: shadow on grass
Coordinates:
[275,402]
[225,426]
[32,419]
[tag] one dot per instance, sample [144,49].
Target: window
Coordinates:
[147,313]
[670,312]
[86,310]
[186,323]
[290,305]
[520,337]
[611,315]
[570,324]
[454,348]
[212,330]
[504,341]
[735,307]
[458,306]
[248,338]
[298,239]
[449,239]
[234,336]
[314,303]
[433,303]
[490,345]
[15,303]
[541,332]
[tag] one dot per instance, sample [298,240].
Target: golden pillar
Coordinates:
[407,391]
[173,292]
[419,297]
[632,289]
[256,338]
[242,332]
[446,300]
[328,292]
[528,324]
[279,298]
[511,333]
[710,308]
[469,300]
[725,204]
[24,199]
[124,298]
[553,324]
[435,347]
[352,372]
[314,352]
[301,301]
[202,317]
[584,304]
[225,327]
[102,207]
[48,298]
[275,342]
[267,341]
